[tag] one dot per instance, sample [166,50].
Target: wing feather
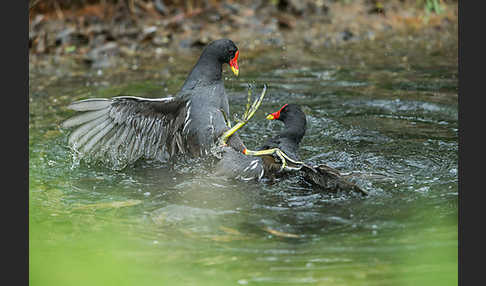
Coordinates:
[127,128]
[84,117]
[96,129]
[96,138]
[82,130]
[90,104]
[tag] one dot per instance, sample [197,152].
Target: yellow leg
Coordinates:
[282,156]
[249,112]
[248,102]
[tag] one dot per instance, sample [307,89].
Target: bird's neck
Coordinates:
[294,131]
[207,70]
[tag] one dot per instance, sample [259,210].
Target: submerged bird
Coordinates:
[279,156]
[122,129]
[287,141]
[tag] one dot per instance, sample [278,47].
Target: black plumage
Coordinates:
[289,138]
[235,164]
[122,129]
[324,178]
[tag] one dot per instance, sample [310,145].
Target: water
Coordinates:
[391,122]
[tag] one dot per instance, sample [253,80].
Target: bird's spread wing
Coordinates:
[122,129]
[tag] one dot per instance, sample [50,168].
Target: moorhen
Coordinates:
[279,156]
[122,129]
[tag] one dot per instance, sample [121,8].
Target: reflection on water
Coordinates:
[394,131]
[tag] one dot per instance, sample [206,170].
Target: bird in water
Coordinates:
[278,153]
[122,129]
[278,156]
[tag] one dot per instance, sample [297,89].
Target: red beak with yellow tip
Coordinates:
[234,63]
[276,114]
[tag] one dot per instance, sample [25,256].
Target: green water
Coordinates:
[391,122]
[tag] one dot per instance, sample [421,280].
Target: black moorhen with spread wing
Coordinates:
[125,128]
[280,153]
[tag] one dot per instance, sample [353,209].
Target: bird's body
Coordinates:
[204,120]
[234,164]
[289,138]
[267,161]
[123,129]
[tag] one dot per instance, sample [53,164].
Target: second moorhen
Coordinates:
[276,154]
[279,156]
